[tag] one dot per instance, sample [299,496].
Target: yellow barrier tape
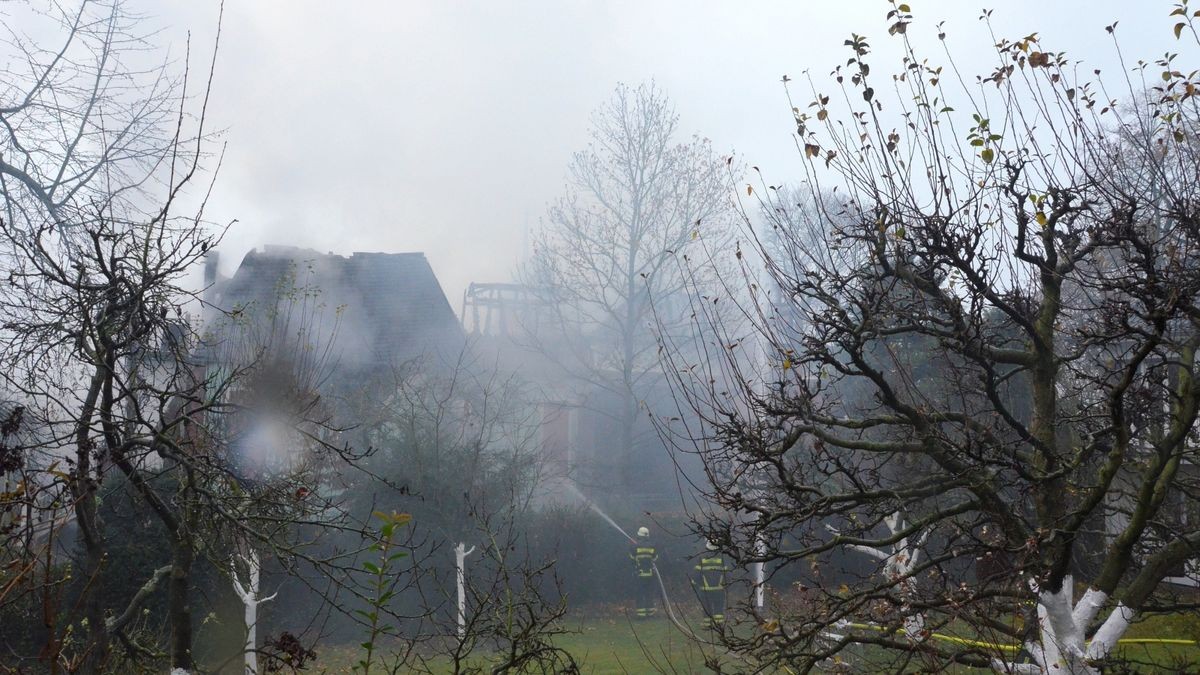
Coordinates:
[941,636]
[1158,641]
[1013,648]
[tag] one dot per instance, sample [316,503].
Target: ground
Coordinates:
[608,643]
[604,643]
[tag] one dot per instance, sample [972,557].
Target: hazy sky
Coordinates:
[446,127]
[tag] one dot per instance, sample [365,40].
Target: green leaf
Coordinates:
[987,155]
[371,567]
[903,8]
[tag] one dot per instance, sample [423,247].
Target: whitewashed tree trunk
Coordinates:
[249,594]
[1061,648]
[460,555]
[898,566]
[759,570]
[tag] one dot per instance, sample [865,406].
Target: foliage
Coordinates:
[975,363]
[383,581]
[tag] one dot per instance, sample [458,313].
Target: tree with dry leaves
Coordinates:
[973,438]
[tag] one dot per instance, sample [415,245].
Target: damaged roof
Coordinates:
[388,307]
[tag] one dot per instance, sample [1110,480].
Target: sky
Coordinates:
[446,127]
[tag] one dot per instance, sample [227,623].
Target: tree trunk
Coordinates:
[91,535]
[460,576]
[96,654]
[178,609]
[250,600]
[632,472]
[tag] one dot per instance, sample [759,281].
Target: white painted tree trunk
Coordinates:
[249,594]
[898,566]
[460,555]
[1061,648]
[759,570]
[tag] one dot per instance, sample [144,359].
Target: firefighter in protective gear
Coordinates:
[643,554]
[709,582]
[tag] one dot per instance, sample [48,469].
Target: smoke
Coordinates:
[270,444]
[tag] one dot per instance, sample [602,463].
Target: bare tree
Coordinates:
[95,155]
[984,381]
[456,448]
[84,130]
[512,608]
[636,197]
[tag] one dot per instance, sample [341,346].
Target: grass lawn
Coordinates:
[623,645]
[604,644]
[610,642]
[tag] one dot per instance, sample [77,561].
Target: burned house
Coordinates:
[370,309]
[328,333]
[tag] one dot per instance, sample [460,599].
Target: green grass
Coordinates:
[609,642]
[620,645]
[606,643]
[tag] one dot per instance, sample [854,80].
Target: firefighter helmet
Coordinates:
[643,531]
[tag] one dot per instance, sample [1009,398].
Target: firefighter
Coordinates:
[643,554]
[709,582]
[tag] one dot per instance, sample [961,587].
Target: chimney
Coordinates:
[211,261]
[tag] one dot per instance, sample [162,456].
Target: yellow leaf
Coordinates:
[393,517]
[787,364]
[1041,218]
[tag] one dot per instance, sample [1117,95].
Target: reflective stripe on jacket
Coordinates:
[643,556]
[711,573]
